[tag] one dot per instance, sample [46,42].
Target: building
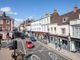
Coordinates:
[75,30]
[60,29]
[24,25]
[6,26]
[64,30]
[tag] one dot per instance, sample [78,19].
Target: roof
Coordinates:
[71,16]
[3,16]
[7,18]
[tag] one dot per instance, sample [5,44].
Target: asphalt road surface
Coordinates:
[40,52]
[4,44]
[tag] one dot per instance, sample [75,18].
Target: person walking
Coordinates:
[59,46]
[55,44]
[0,44]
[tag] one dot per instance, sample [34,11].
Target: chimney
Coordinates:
[55,13]
[4,14]
[79,16]
[75,8]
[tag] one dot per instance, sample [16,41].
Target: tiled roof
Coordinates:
[7,18]
[71,16]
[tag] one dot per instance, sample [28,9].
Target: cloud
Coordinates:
[18,19]
[30,17]
[8,10]
[18,22]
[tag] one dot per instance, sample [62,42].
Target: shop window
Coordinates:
[64,42]
[51,38]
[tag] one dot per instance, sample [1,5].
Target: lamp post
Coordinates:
[71,43]
[48,34]
[69,37]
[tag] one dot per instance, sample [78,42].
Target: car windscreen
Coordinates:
[29,42]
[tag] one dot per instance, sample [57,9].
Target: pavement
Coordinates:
[5,54]
[63,52]
[66,53]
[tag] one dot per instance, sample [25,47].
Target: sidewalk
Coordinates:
[5,54]
[66,54]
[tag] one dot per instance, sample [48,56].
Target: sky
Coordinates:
[23,9]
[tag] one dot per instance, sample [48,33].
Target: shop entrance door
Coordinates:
[78,46]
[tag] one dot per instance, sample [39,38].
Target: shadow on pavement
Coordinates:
[28,56]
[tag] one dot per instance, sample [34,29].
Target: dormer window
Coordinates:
[65,19]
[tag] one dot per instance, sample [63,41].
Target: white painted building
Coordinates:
[60,29]
[53,28]
[36,26]
[75,24]
[41,25]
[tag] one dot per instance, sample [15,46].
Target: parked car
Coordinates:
[32,38]
[29,44]
[18,35]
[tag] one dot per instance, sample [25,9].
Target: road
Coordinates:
[40,52]
[20,46]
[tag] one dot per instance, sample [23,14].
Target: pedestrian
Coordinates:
[55,44]
[0,44]
[59,46]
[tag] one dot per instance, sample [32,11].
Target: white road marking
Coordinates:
[35,57]
[54,56]
[23,47]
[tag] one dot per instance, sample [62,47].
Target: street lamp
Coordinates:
[48,33]
[69,37]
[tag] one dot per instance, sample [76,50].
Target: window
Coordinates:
[1,21]
[65,19]
[63,30]
[51,29]
[8,28]
[54,28]
[73,30]
[0,28]
[79,31]
[8,21]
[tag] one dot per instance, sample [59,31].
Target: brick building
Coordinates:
[6,26]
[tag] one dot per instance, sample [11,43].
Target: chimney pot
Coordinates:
[75,8]
[79,16]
